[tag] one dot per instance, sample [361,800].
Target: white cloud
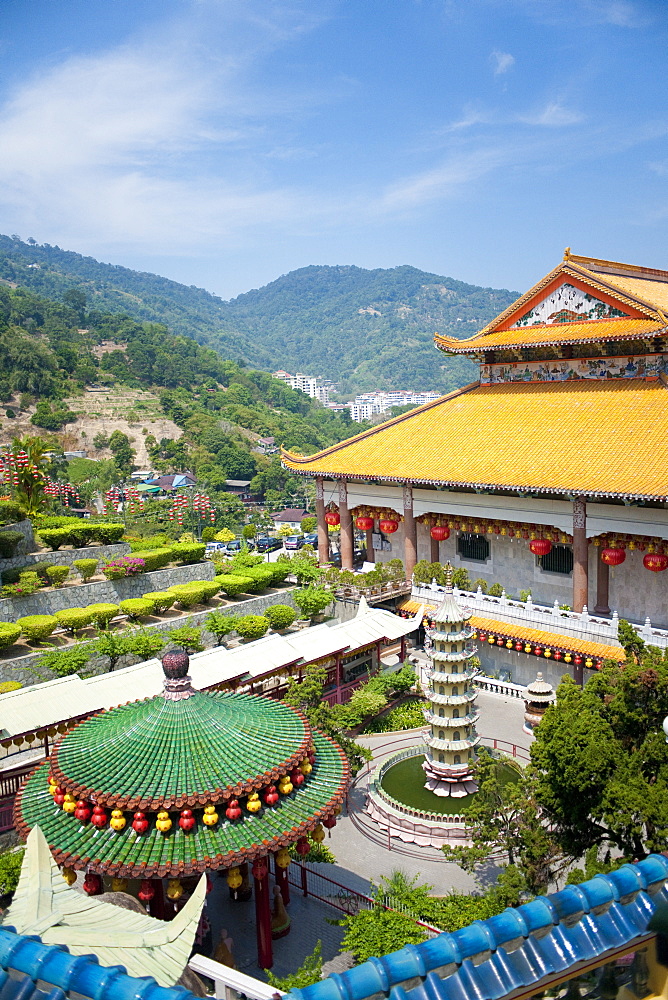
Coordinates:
[501,62]
[440,182]
[552,114]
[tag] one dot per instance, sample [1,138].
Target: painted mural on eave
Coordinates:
[567,304]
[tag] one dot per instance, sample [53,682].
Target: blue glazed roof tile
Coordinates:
[544,937]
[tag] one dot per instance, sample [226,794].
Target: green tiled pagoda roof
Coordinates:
[128,854]
[162,753]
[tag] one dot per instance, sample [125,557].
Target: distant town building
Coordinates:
[266,446]
[292,516]
[310,385]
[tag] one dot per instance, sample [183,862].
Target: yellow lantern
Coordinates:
[491,640]
[567,658]
[306,767]
[285,786]
[69,875]
[119,884]
[337,811]
[163,822]
[210,817]
[233,878]
[547,654]
[69,803]
[632,546]
[509,643]
[283,858]
[53,784]
[318,835]
[253,803]
[174,889]
[528,648]
[589,662]
[117,821]
[504,531]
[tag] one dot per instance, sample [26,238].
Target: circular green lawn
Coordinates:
[404,781]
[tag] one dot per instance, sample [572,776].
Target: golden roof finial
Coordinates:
[448,576]
[567,253]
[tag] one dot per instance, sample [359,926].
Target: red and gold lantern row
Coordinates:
[544,651]
[364,523]
[388,526]
[656,562]
[613,556]
[540,546]
[439,532]
[333,517]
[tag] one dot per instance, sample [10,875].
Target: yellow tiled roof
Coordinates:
[652,292]
[538,637]
[554,333]
[588,438]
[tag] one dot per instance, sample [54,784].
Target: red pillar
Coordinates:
[347,537]
[434,547]
[323,531]
[265,955]
[370,554]
[580,555]
[338,671]
[402,653]
[410,533]
[281,877]
[602,588]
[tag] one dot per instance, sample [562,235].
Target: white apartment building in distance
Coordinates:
[311,385]
[366,405]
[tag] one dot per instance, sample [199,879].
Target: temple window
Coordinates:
[441,713]
[441,689]
[475,547]
[558,560]
[455,668]
[458,759]
[441,758]
[456,735]
[455,713]
[441,734]
[455,691]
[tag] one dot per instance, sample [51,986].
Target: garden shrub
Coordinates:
[37,626]
[220,624]
[156,559]
[279,572]
[54,537]
[107,534]
[496,590]
[9,541]
[148,544]
[188,595]
[210,588]
[252,626]
[312,601]
[484,586]
[233,585]
[7,686]
[68,660]
[117,569]
[54,521]
[280,615]
[57,575]
[406,716]
[10,869]
[101,614]
[254,584]
[11,512]
[188,552]
[161,600]
[72,619]
[28,583]
[189,637]
[9,633]
[86,568]
[136,608]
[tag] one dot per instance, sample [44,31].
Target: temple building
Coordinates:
[548,473]
[451,713]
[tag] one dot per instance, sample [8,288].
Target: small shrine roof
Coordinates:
[590,331]
[587,438]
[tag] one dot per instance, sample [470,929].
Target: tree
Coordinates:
[285,531]
[66,661]
[308,973]
[377,931]
[308,524]
[311,601]
[113,645]
[249,531]
[188,637]
[122,451]
[220,625]
[145,643]
[10,869]
[224,535]
[601,759]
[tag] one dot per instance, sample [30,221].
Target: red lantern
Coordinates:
[333,517]
[296,777]
[364,523]
[82,811]
[613,557]
[260,869]
[557,655]
[518,647]
[59,796]
[302,846]
[577,660]
[329,822]
[146,891]
[99,817]
[482,636]
[92,884]
[140,823]
[439,533]
[388,526]
[311,758]
[186,820]
[500,641]
[655,561]
[540,546]
[538,650]
[233,811]
[271,796]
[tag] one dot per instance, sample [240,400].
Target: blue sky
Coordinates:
[225,142]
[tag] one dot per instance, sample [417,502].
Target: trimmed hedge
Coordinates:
[86,568]
[233,585]
[57,575]
[252,626]
[101,614]
[72,619]
[280,615]
[11,512]
[155,558]
[187,552]
[136,608]
[162,600]
[80,534]
[9,633]
[189,594]
[9,542]
[37,626]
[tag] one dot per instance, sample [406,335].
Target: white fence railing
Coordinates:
[229,983]
[573,624]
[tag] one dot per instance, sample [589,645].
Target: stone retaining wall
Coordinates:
[104,591]
[64,557]
[24,669]
[27,545]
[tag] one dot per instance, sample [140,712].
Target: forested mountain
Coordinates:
[364,329]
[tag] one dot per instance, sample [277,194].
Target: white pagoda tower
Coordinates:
[452,715]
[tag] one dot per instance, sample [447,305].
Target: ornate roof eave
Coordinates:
[475,346]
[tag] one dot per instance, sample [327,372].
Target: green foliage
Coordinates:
[54,537]
[233,585]
[252,626]
[28,583]
[189,594]
[113,645]
[161,600]
[305,569]
[57,575]
[308,973]
[280,615]
[496,590]
[136,608]
[73,619]
[595,865]
[220,625]
[66,661]
[11,512]
[144,643]
[10,869]
[188,637]
[308,525]
[480,583]
[9,634]
[36,627]
[525,595]
[376,932]
[86,568]
[632,643]
[156,558]
[311,601]
[407,716]
[101,614]
[186,553]
[317,854]
[9,542]
[7,686]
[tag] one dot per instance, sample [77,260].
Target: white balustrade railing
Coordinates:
[229,983]
[577,625]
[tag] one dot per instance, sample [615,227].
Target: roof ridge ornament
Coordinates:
[567,253]
[178,683]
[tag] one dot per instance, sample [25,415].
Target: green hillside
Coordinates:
[364,329]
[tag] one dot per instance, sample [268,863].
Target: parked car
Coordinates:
[233,548]
[294,542]
[358,558]
[311,539]
[212,547]
[268,544]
